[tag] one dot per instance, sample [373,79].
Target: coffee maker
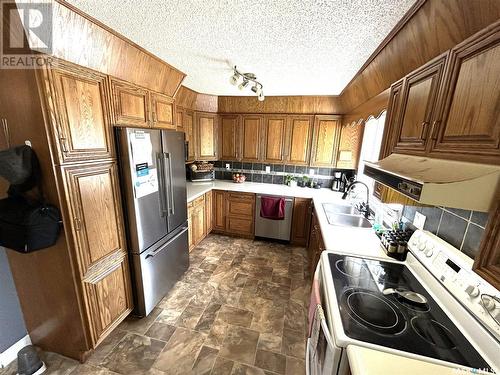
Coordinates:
[342,179]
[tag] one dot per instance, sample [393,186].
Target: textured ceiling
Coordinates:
[295,47]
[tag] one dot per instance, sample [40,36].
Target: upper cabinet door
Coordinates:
[417,107]
[206,124]
[298,143]
[162,111]
[95,211]
[179,119]
[190,134]
[469,126]
[229,137]
[325,145]
[274,138]
[251,137]
[130,104]
[82,105]
[351,138]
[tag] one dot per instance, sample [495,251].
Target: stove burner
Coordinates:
[374,311]
[433,332]
[353,268]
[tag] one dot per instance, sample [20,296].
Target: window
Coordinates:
[370,148]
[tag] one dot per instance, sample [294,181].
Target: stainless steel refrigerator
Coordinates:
[153,179]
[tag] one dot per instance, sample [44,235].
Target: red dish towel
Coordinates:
[272,208]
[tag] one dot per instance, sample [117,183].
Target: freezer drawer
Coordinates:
[276,229]
[156,270]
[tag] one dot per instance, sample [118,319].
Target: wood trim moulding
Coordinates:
[189,99]
[371,108]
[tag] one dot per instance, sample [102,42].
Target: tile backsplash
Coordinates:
[463,229]
[256,172]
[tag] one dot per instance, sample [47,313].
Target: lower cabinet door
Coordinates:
[109,296]
[240,225]
[301,220]
[199,224]
[208,212]
[190,226]
[219,211]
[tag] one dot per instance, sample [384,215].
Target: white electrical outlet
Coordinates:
[228,166]
[268,168]
[419,220]
[311,171]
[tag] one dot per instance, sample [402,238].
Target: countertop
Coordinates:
[356,241]
[365,361]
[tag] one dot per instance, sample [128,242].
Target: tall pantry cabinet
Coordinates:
[76,292]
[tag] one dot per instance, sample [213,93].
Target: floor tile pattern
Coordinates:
[239,309]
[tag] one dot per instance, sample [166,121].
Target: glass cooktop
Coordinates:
[376,307]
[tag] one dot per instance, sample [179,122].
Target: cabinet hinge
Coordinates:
[64,144]
[435,129]
[78,225]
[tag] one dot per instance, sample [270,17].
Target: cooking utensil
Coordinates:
[409,295]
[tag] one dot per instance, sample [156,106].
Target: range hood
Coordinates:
[438,182]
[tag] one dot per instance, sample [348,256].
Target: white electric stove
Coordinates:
[432,307]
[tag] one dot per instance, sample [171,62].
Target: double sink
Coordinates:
[345,216]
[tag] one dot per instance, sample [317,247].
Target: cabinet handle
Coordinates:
[64,144]
[424,134]
[78,225]
[435,129]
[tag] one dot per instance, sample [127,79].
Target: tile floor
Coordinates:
[239,309]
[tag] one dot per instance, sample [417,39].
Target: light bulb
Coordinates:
[234,79]
[243,84]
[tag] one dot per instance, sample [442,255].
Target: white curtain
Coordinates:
[370,148]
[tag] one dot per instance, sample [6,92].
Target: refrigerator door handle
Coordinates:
[168,176]
[172,207]
[154,253]
[161,185]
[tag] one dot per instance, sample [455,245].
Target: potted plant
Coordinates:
[290,180]
[304,182]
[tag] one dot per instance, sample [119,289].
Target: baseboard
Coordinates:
[10,354]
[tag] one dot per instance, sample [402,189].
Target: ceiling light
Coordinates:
[247,78]
[243,84]
[234,79]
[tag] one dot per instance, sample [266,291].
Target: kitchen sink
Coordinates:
[345,216]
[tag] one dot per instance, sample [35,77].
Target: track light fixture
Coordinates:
[246,79]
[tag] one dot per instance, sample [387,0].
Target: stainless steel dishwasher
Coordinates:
[276,229]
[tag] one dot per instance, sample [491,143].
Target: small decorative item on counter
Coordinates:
[290,180]
[305,181]
[239,178]
[316,184]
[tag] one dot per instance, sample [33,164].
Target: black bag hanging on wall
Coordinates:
[25,225]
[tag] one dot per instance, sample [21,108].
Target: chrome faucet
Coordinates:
[364,208]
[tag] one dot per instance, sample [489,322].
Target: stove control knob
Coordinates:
[428,253]
[489,303]
[472,290]
[422,246]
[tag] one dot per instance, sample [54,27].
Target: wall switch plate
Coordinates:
[419,220]
[268,169]
[311,171]
[228,166]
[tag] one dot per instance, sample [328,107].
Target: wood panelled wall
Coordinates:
[436,26]
[83,40]
[190,99]
[281,104]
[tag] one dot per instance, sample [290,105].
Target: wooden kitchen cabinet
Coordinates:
[233,213]
[206,135]
[162,107]
[230,137]
[190,226]
[325,142]
[82,99]
[351,138]
[196,221]
[315,246]
[301,221]
[189,131]
[468,122]
[275,128]
[418,104]
[131,105]
[179,119]
[298,139]
[95,211]
[240,210]
[251,138]
[208,212]
[219,211]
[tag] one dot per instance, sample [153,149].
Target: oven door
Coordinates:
[323,357]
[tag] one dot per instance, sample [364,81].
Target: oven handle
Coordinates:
[286,199]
